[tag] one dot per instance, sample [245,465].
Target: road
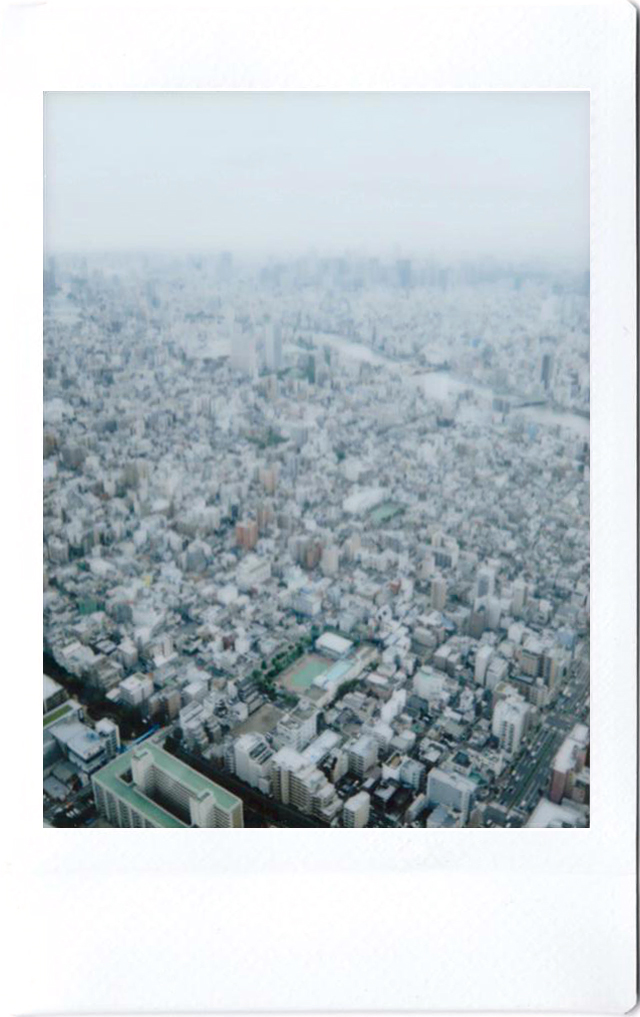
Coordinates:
[529,776]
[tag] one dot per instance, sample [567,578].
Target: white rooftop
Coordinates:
[333,643]
[49,686]
[547,814]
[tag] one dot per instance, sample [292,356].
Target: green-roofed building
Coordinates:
[148,787]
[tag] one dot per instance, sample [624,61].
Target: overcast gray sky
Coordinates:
[504,174]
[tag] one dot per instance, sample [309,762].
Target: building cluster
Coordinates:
[313,530]
[567,802]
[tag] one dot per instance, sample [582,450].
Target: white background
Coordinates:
[115,921]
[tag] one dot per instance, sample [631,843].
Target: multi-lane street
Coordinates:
[519,790]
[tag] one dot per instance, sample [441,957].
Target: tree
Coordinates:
[347,687]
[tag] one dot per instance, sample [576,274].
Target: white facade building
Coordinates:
[329,561]
[438,593]
[362,754]
[148,787]
[509,723]
[253,759]
[450,789]
[483,657]
[135,690]
[355,812]
[252,572]
[110,735]
[300,784]
[518,597]
[306,602]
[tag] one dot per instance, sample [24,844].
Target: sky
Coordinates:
[439,174]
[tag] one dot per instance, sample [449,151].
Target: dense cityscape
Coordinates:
[316,542]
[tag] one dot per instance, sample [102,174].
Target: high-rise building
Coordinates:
[306,602]
[329,561]
[135,690]
[445,552]
[268,478]
[247,534]
[299,783]
[553,666]
[403,271]
[244,351]
[496,672]
[110,735]
[355,812]
[148,787]
[518,597]
[352,546]
[546,369]
[253,760]
[273,347]
[450,789]
[312,554]
[264,516]
[509,723]
[438,593]
[478,621]
[570,759]
[362,754]
[483,656]
[529,656]
[297,728]
[485,582]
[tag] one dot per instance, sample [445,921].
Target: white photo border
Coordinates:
[484,920]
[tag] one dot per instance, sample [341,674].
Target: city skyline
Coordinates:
[451,175]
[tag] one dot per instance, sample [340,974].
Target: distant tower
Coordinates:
[277,348]
[244,353]
[438,593]
[547,368]
[273,347]
[403,269]
[518,597]
[247,534]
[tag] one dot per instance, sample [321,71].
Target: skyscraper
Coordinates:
[546,369]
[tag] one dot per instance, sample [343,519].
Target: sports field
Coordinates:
[300,675]
[383,513]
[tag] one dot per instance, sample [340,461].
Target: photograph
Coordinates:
[321,454]
[316,452]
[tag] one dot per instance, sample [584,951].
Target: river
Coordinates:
[443,385]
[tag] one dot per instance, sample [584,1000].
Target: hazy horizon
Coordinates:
[447,176]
